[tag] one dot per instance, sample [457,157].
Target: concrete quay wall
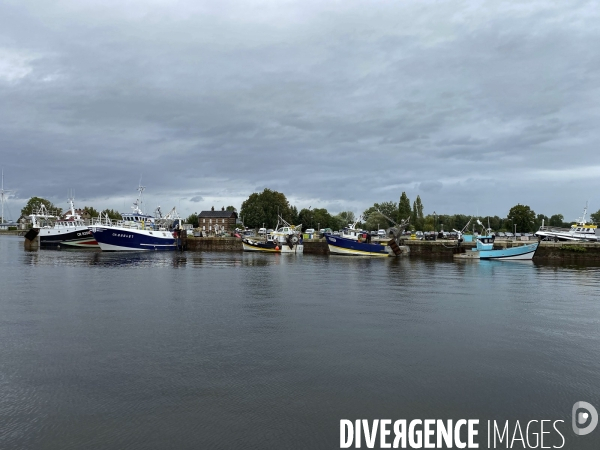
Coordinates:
[577,251]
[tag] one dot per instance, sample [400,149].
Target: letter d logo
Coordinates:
[581,417]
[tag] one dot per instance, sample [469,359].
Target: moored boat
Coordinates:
[579,231]
[286,238]
[357,242]
[138,231]
[69,231]
[485,249]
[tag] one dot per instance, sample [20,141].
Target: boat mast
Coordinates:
[137,205]
[3,196]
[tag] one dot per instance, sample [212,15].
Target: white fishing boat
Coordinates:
[68,231]
[286,238]
[579,231]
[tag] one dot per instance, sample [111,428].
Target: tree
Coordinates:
[344,219]
[376,221]
[381,210]
[193,220]
[417,218]
[539,219]
[231,208]
[112,214]
[595,216]
[556,220]
[318,217]
[523,217]
[261,208]
[90,211]
[404,211]
[34,203]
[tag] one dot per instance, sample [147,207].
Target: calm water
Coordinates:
[219,350]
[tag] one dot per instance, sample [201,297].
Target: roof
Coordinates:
[219,214]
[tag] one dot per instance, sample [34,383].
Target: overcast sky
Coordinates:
[475,106]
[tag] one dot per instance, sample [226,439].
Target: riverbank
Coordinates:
[576,251]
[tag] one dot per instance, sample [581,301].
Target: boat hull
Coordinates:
[269,247]
[566,237]
[521,253]
[77,237]
[115,239]
[349,247]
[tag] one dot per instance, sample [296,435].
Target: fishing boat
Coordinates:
[138,231]
[579,231]
[68,231]
[286,238]
[356,242]
[485,249]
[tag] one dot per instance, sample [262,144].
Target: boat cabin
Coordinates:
[485,242]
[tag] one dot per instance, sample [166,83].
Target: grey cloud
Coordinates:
[339,104]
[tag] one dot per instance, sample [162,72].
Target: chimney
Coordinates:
[222,208]
[212,208]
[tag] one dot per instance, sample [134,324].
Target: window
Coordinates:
[222,220]
[203,220]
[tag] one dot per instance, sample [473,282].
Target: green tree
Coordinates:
[261,208]
[91,211]
[428,222]
[112,214]
[417,214]
[595,217]
[556,220]
[389,209]
[376,221]
[523,217]
[344,219]
[539,219]
[317,218]
[34,203]
[231,208]
[193,220]
[404,211]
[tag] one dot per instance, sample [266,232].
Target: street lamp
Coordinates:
[434,220]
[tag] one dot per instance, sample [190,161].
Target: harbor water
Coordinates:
[200,350]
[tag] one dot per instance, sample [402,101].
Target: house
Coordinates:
[216,221]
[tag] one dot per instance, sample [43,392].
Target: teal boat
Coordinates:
[485,249]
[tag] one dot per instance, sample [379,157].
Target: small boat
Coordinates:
[579,231]
[286,238]
[138,231]
[485,249]
[356,242]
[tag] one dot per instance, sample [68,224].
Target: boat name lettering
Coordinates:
[332,239]
[123,235]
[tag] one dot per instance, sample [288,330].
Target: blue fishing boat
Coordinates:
[356,242]
[138,231]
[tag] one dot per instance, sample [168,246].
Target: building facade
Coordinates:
[217,221]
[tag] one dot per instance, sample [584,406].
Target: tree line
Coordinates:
[261,209]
